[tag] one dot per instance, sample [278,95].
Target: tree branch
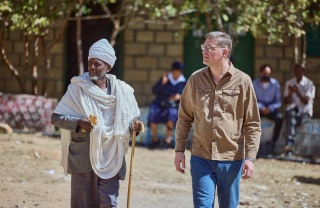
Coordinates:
[64,25]
[11,68]
[26,63]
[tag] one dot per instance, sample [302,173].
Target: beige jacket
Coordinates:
[225,116]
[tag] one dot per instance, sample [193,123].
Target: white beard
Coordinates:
[95,78]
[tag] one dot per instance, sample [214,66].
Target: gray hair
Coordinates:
[222,40]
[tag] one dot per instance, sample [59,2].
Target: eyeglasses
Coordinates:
[208,47]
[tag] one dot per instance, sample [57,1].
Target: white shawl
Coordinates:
[108,142]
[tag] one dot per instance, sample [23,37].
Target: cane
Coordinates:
[131,163]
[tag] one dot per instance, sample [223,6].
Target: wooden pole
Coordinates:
[131,164]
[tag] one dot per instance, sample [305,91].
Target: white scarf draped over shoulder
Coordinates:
[109,139]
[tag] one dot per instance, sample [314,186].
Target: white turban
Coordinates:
[104,51]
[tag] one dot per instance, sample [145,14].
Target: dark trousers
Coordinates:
[90,191]
[294,119]
[277,117]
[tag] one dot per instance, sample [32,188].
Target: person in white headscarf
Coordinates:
[93,152]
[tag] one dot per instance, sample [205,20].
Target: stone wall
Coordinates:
[281,57]
[14,46]
[149,50]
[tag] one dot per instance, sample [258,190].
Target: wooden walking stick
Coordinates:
[131,163]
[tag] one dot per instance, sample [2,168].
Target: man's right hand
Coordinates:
[180,162]
[164,78]
[85,124]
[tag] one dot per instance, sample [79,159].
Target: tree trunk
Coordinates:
[26,62]
[34,87]
[303,49]
[79,40]
[296,50]
[11,68]
[46,66]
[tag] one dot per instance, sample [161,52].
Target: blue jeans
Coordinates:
[209,174]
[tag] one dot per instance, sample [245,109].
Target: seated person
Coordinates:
[299,93]
[164,108]
[268,94]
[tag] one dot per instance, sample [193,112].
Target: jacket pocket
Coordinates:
[230,97]
[202,97]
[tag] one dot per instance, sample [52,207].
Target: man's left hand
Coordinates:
[247,169]
[137,125]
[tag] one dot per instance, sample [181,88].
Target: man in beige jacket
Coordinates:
[220,101]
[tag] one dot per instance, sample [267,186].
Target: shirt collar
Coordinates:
[304,81]
[231,70]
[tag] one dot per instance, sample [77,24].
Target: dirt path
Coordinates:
[30,176]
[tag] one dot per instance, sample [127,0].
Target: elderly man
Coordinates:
[221,103]
[93,152]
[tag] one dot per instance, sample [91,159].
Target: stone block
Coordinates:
[274,52]
[156,49]
[8,46]
[147,88]
[261,42]
[51,35]
[142,101]
[135,75]
[145,36]
[13,87]
[137,86]
[178,37]
[313,64]
[259,52]
[287,40]
[278,76]
[137,23]
[128,36]
[146,62]
[135,49]
[15,35]
[56,73]
[164,37]
[285,65]
[14,59]
[5,73]
[58,24]
[174,50]
[128,62]
[155,26]
[174,25]
[155,75]
[165,62]
[289,52]
[18,47]
[57,48]
[57,61]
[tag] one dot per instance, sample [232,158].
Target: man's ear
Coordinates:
[225,52]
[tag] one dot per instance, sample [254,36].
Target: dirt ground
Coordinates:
[30,176]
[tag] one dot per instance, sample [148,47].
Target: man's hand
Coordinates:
[247,169]
[180,162]
[137,125]
[85,124]
[265,111]
[164,78]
